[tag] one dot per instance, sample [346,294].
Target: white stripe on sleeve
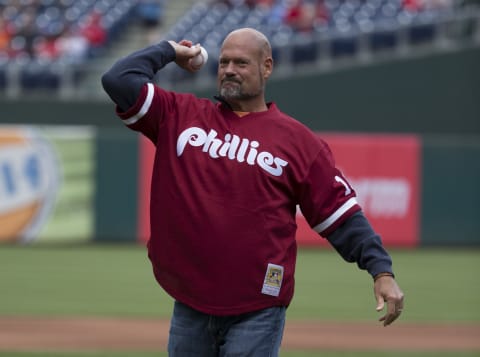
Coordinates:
[335,216]
[145,107]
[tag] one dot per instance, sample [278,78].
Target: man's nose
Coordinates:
[230,68]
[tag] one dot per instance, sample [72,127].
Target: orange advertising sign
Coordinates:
[29,180]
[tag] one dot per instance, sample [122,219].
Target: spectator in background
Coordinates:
[4,35]
[420,5]
[303,15]
[94,33]
[322,13]
[150,15]
[293,13]
[230,3]
[278,11]
[150,12]
[72,46]
[45,47]
[266,4]
[412,5]
[25,27]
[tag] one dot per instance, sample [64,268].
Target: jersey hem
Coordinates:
[223,311]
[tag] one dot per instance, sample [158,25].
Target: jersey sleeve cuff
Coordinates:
[140,108]
[337,218]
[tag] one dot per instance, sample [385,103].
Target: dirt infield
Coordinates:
[84,334]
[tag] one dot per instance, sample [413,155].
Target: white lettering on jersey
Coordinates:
[232,147]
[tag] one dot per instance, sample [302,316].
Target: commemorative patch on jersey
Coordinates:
[273,280]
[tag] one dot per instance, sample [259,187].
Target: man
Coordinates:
[227,179]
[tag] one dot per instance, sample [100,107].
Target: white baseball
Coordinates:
[199,60]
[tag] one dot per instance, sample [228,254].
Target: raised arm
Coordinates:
[124,80]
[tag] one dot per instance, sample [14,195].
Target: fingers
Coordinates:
[387,291]
[186,43]
[380,303]
[192,50]
[185,48]
[184,52]
[392,313]
[394,309]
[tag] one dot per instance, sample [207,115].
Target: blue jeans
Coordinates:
[255,334]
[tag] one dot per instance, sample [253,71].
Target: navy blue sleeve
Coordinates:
[125,79]
[356,241]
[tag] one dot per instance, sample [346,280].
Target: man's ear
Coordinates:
[267,67]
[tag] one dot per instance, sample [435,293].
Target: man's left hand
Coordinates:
[387,290]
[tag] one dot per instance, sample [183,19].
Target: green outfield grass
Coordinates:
[116,280]
[441,285]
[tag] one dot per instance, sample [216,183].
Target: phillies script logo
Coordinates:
[28,183]
[231,147]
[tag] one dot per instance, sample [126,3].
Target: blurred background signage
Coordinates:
[384,172]
[29,182]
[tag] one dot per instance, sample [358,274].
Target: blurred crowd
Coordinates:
[48,29]
[305,15]
[75,30]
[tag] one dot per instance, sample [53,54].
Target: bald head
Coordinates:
[251,37]
[245,64]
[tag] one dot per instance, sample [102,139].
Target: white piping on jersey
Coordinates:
[336,215]
[232,147]
[144,109]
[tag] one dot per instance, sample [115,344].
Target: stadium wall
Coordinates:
[434,97]
[432,94]
[117,185]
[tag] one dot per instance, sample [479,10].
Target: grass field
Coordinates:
[116,280]
[441,285]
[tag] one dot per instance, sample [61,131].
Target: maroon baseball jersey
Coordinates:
[224,195]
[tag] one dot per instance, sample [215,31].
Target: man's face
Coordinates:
[241,74]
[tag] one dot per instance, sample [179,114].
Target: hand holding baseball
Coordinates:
[199,60]
[189,57]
